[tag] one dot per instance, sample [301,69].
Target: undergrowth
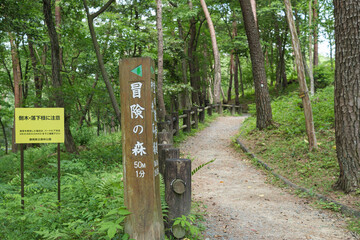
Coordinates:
[92,202]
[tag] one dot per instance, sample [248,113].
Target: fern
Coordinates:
[201,166]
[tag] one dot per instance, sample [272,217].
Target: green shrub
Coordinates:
[323,75]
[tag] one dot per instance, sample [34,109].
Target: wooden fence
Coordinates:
[190,118]
[177,171]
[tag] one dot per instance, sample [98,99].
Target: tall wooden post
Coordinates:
[140,149]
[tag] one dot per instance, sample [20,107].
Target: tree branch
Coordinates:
[94,15]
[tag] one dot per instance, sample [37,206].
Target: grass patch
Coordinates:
[285,148]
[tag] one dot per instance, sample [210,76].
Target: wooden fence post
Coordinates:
[195,117]
[169,153]
[233,109]
[210,109]
[165,137]
[220,108]
[162,147]
[239,109]
[202,114]
[175,116]
[178,191]
[187,120]
[169,121]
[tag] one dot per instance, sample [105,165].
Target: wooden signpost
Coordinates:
[140,149]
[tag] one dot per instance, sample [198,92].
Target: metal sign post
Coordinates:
[140,149]
[38,125]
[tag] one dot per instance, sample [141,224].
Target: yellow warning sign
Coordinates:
[39,125]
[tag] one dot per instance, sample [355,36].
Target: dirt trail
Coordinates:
[240,204]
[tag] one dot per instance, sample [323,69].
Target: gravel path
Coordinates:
[240,204]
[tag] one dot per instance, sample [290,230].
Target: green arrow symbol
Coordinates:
[137,70]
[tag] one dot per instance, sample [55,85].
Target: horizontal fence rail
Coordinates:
[190,118]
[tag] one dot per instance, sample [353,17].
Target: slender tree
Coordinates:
[194,79]
[37,79]
[217,70]
[90,18]
[17,81]
[311,75]
[316,43]
[160,77]
[55,70]
[263,107]
[347,93]
[310,130]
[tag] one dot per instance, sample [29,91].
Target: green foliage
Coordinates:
[188,224]
[328,205]
[83,135]
[112,220]
[323,75]
[91,194]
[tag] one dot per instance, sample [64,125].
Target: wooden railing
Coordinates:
[177,171]
[191,117]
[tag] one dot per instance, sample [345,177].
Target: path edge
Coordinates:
[343,208]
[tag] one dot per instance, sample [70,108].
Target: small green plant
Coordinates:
[111,222]
[328,205]
[201,166]
[354,226]
[187,224]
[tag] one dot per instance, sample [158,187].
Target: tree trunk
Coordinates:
[301,76]
[263,107]
[185,99]
[98,123]
[347,93]
[236,80]
[217,72]
[17,82]
[311,75]
[5,136]
[160,95]
[253,8]
[316,44]
[58,26]
[16,71]
[56,77]
[37,78]
[279,47]
[11,84]
[88,102]
[241,77]
[192,61]
[99,57]
[232,66]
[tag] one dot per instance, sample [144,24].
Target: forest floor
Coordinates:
[238,200]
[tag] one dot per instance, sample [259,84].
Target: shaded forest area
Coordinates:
[65,53]
[76,65]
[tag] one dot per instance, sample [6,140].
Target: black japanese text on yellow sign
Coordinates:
[39,125]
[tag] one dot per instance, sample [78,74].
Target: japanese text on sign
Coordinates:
[39,125]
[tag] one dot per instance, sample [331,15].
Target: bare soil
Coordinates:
[240,204]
